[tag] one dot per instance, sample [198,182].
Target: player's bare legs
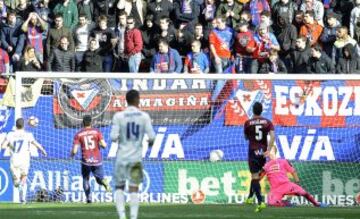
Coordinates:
[120,201]
[23,188]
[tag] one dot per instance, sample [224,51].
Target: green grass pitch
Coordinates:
[162,211]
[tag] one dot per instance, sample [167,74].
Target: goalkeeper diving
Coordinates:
[276,170]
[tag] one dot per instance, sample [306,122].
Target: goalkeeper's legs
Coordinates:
[299,191]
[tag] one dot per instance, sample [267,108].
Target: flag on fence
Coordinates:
[29,93]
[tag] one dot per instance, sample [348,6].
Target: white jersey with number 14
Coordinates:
[128,129]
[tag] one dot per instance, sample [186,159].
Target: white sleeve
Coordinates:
[115,129]
[149,128]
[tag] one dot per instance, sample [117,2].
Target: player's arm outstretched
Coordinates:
[38,146]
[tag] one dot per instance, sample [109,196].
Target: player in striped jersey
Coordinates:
[128,130]
[20,141]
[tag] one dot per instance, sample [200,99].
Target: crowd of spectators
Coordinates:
[180,36]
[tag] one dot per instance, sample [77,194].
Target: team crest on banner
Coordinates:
[78,98]
[239,107]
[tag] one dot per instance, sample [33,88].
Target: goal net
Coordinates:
[200,153]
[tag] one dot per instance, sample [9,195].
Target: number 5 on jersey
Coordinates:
[258,133]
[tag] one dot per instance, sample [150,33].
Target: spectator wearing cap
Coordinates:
[319,62]
[328,36]
[56,33]
[266,41]
[135,9]
[34,27]
[355,21]
[256,7]
[133,45]
[221,41]
[166,60]
[148,31]
[317,7]
[286,8]
[311,29]
[244,47]
[69,11]
[286,35]
[12,39]
[231,10]
[159,8]
[186,14]
[196,61]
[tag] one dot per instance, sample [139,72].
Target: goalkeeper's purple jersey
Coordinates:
[256,131]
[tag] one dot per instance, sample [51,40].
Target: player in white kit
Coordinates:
[20,141]
[128,130]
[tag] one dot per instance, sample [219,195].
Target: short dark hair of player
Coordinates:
[132,97]
[87,120]
[257,108]
[20,123]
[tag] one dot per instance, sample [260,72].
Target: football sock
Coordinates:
[86,187]
[23,193]
[251,192]
[120,203]
[257,189]
[311,199]
[134,205]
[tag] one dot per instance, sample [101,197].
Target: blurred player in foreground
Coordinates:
[90,140]
[128,130]
[276,171]
[19,141]
[256,130]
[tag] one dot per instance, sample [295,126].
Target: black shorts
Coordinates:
[256,163]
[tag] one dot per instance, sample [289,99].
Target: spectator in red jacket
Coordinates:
[133,45]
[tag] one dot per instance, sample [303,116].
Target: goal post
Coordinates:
[200,153]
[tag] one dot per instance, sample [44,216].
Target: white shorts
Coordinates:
[19,167]
[128,172]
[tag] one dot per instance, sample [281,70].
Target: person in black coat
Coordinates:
[148,30]
[350,62]
[320,63]
[92,61]
[300,56]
